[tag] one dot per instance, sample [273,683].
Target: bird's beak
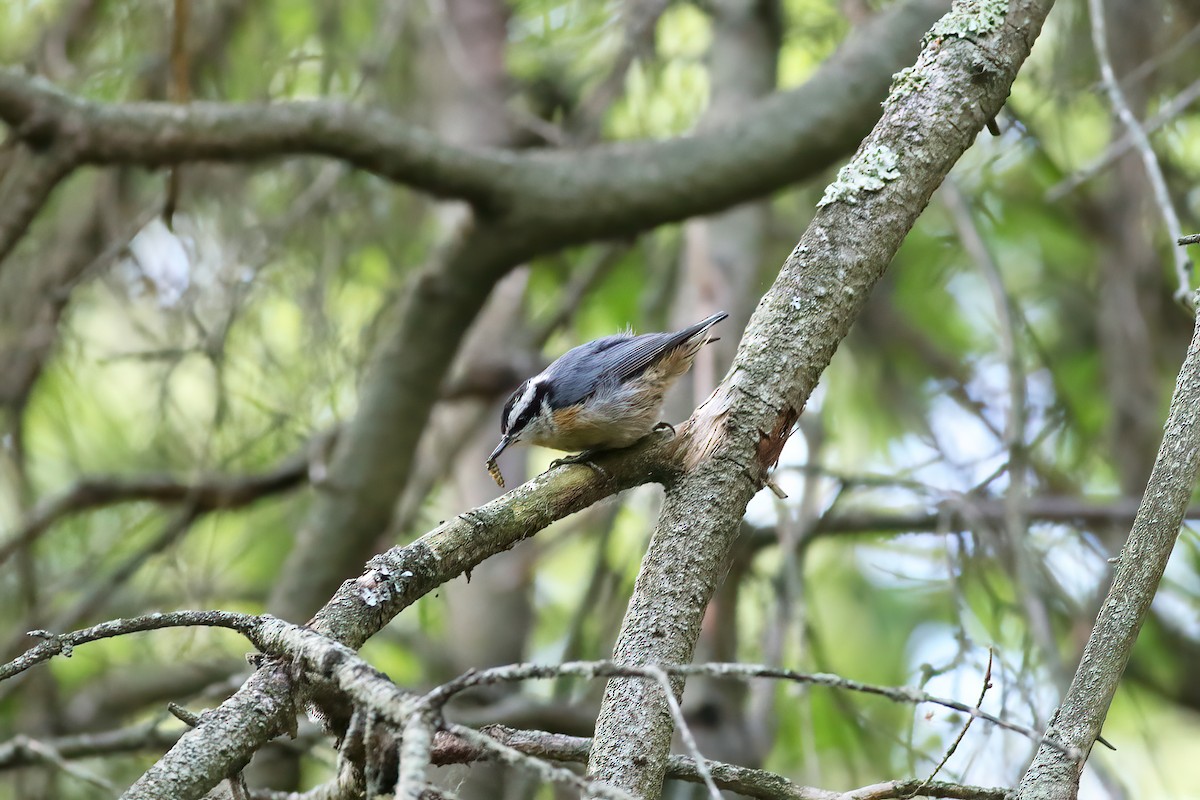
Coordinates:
[505,441]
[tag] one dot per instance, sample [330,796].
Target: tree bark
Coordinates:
[935,110]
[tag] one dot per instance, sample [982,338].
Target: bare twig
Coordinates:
[1141,142]
[54,644]
[1169,111]
[14,753]
[41,752]
[609,669]
[1191,238]
[547,771]
[327,659]
[180,92]
[685,731]
[987,684]
[963,512]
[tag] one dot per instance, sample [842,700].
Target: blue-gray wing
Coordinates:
[581,370]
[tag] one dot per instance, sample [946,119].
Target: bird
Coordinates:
[602,395]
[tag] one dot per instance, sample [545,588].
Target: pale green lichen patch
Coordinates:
[969,18]
[868,172]
[905,82]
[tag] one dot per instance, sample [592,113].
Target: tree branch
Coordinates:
[164,134]
[15,752]
[203,495]
[1141,142]
[324,659]
[26,188]
[1052,775]
[756,783]
[54,644]
[935,110]
[601,192]
[967,512]
[391,582]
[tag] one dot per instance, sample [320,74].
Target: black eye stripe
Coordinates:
[541,396]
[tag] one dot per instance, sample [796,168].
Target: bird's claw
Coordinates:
[584,458]
[663,426]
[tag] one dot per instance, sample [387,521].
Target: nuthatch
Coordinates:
[601,395]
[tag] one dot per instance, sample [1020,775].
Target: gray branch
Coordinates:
[560,197]
[319,658]
[263,707]
[1078,721]
[931,118]
[756,783]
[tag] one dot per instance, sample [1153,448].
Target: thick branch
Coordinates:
[736,436]
[162,134]
[602,192]
[1052,775]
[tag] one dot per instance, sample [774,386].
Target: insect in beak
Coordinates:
[492,469]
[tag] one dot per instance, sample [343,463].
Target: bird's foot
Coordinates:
[584,458]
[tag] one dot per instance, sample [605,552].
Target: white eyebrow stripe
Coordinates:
[523,401]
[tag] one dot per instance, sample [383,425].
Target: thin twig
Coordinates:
[45,754]
[685,732]
[15,754]
[746,782]
[54,644]
[609,669]
[987,684]
[207,494]
[1142,142]
[1169,111]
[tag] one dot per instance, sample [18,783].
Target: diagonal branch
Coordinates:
[933,115]
[1141,142]
[391,582]
[26,188]
[1140,568]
